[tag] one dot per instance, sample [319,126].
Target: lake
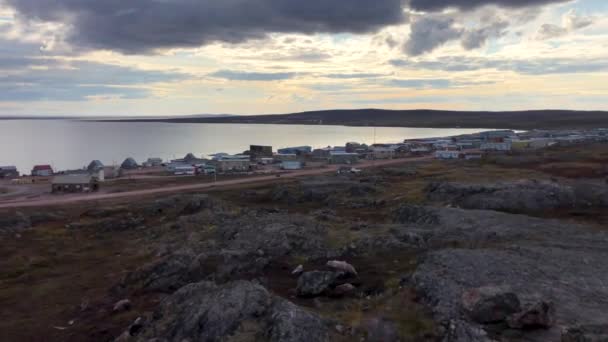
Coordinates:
[69,144]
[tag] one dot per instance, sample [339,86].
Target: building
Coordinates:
[285,157]
[111,172]
[233,165]
[299,150]
[42,171]
[129,164]
[504,146]
[381,153]
[447,154]
[291,165]
[8,172]
[321,153]
[473,155]
[494,135]
[337,157]
[257,152]
[94,166]
[74,183]
[184,170]
[153,162]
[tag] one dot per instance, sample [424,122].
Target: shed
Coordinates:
[74,183]
[42,170]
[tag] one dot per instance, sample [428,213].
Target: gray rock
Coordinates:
[490,304]
[164,275]
[315,283]
[536,315]
[14,222]
[122,305]
[520,196]
[586,333]
[235,311]
[290,323]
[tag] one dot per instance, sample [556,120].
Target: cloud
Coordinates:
[233,75]
[438,5]
[540,66]
[429,32]
[420,83]
[353,75]
[571,22]
[140,26]
[477,38]
[29,76]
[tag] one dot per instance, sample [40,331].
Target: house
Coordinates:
[94,166]
[153,162]
[129,164]
[496,146]
[256,152]
[447,154]
[381,153]
[285,157]
[299,150]
[184,170]
[321,153]
[233,165]
[291,165]
[338,157]
[111,172]
[42,171]
[74,183]
[8,172]
[473,155]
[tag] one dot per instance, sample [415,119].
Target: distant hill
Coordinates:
[524,120]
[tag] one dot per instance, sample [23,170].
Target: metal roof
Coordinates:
[72,179]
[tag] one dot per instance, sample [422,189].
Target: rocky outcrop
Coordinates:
[235,311]
[490,304]
[164,275]
[13,222]
[521,196]
[586,333]
[315,283]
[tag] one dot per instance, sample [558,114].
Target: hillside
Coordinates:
[541,119]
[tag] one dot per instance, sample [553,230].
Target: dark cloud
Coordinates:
[541,66]
[233,75]
[477,38]
[437,5]
[137,26]
[429,32]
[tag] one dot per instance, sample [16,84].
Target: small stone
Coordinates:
[122,305]
[298,270]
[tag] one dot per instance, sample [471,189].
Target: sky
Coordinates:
[184,57]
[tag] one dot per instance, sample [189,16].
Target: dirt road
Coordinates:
[70,199]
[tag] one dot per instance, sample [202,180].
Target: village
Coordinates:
[263,160]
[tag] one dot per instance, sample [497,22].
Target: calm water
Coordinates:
[73,144]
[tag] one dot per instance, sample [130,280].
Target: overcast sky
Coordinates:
[179,57]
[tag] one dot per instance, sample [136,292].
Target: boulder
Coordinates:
[344,289]
[298,270]
[490,304]
[122,305]
[537,315]
[315,283]
[237,311]
[342,266]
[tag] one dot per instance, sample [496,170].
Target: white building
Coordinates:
[447,154]
[496,146]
